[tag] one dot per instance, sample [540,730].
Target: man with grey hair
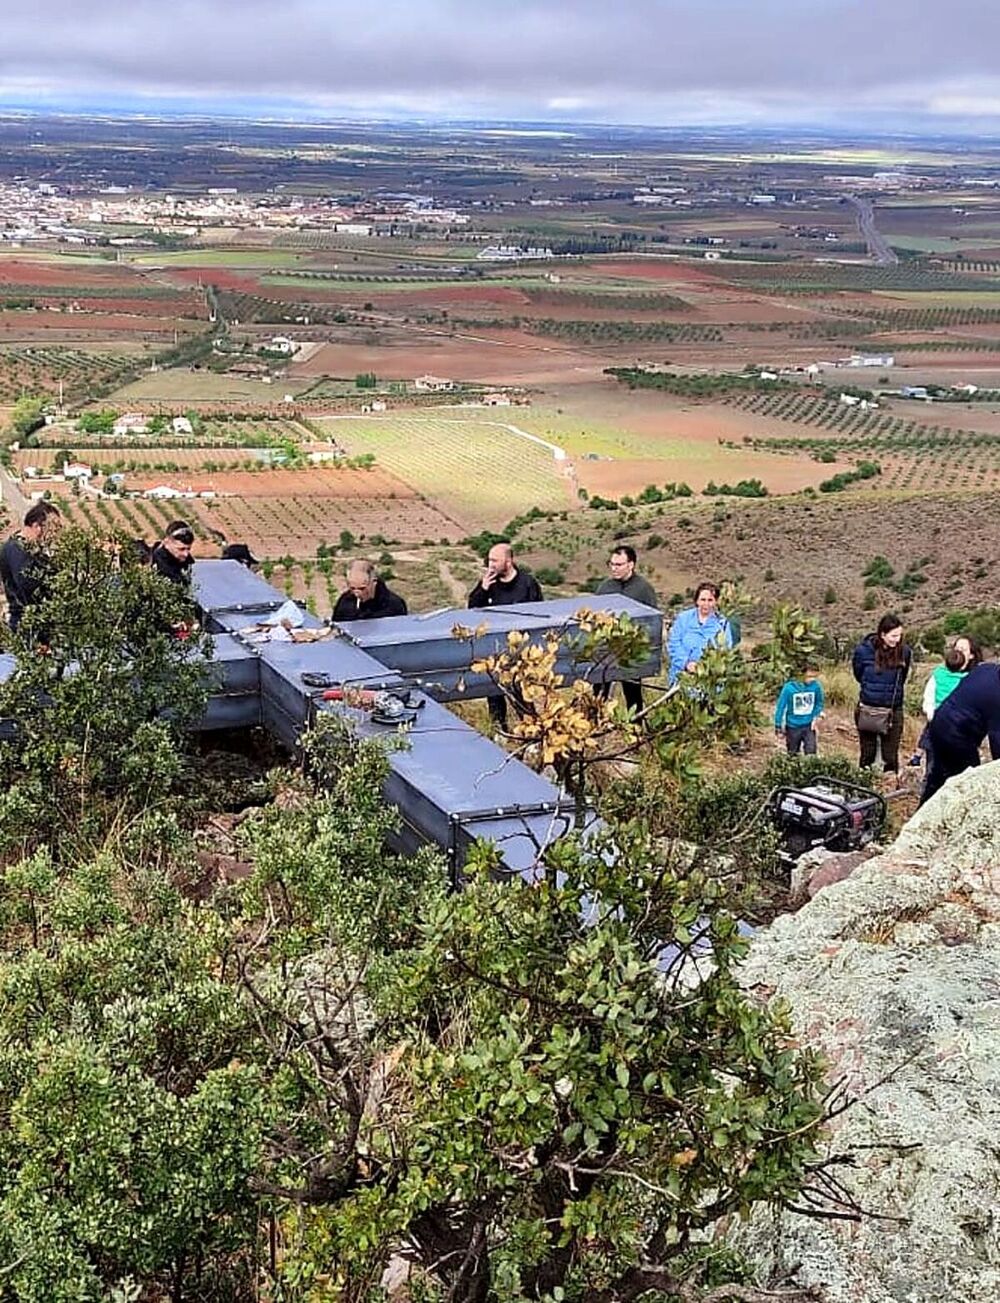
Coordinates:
[366,596]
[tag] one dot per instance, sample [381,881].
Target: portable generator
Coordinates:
[828,812]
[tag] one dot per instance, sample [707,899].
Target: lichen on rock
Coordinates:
[894,973]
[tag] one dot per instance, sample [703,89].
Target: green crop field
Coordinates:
[473,468]
[218,258]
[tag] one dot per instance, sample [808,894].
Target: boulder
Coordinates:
[894,974]
[821,868]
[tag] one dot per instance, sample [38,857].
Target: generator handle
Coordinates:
[858,788]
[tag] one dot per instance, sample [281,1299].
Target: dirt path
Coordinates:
[458,590]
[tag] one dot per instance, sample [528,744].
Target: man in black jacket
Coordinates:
[367,597]
[171,557]
[23,561]
[502,584]
[967,716]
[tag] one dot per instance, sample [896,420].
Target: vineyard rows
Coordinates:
[913,456]
[257,433]
[624,300]
[807,277]
[272,527]
[623,332]
[126,290]
[37,369]
[475,470]
[259,308]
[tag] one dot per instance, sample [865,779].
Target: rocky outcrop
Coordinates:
[821,868]
[894,974]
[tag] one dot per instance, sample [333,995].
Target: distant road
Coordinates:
[879,249]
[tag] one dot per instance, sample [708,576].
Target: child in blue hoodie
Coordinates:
[800,705]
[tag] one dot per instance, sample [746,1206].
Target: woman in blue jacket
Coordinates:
[881,663]
[696,629]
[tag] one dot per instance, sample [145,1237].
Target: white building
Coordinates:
[872,359]
[181,425]
[433,384]
[130,423]
[513,253]
[77,470]
[282,344]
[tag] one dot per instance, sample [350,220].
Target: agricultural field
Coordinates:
[213,432]
[77,373]
[480,471]
[281,521]
[776,286]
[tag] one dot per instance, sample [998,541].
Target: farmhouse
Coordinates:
[282,344]
[181,425]
[433,384]
[77,470]
[130,423]
[496,400]
[165,491]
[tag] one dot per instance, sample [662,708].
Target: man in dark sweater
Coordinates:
[171,557]
[23,562]
[366,596]
[502,584]
[964,719]
[624,582]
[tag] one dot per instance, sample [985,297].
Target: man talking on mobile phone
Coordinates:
[503,584]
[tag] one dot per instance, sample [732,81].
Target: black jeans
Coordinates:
[889,743]
[800,739]
[945,763]
[631,691]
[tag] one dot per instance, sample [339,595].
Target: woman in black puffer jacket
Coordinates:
[881,663]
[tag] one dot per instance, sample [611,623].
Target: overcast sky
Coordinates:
[874,62]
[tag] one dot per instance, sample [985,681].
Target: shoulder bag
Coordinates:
[878,719]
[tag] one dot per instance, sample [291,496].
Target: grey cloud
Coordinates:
[782,55]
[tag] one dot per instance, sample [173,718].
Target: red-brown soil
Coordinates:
[493,357]
[18,271]
[316,482]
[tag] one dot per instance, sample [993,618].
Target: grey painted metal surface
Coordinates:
[218,586]
[235,700]
[237,621]
[425,650]
[288,702]
[452,786]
